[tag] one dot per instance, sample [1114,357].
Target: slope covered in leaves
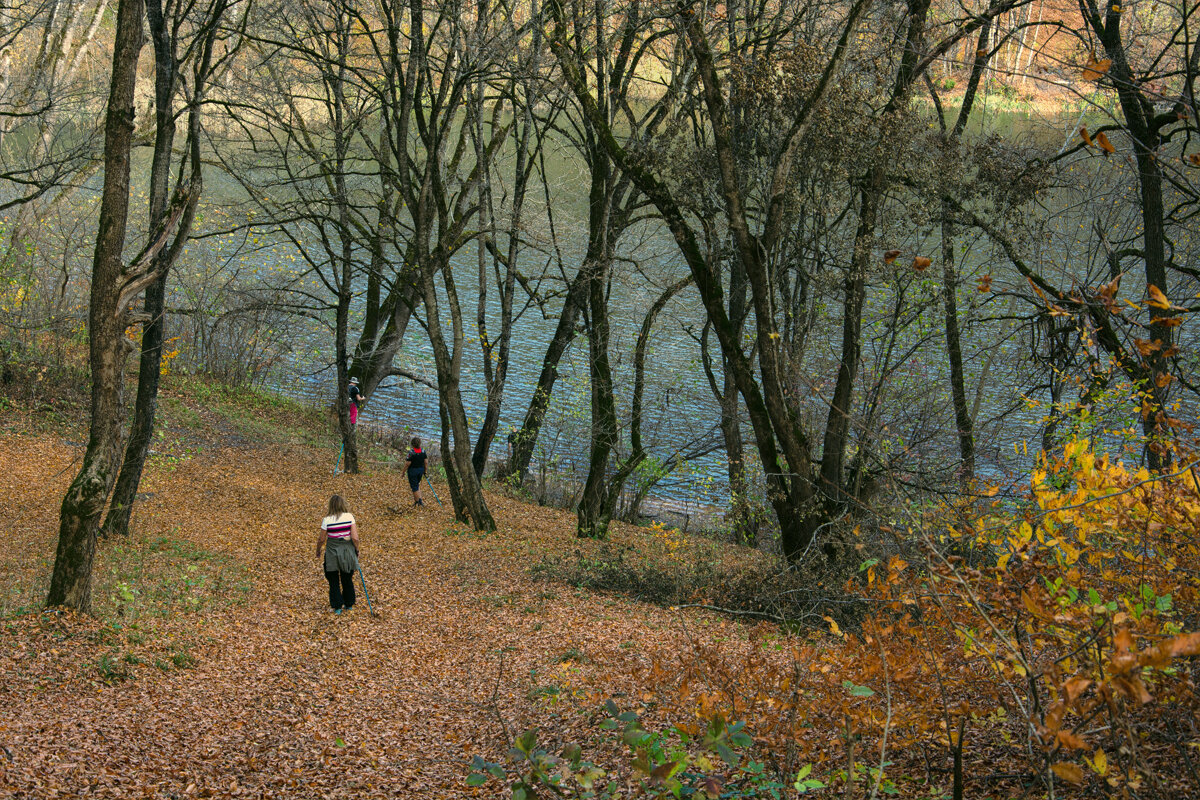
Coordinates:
[222,672]
[1007,649]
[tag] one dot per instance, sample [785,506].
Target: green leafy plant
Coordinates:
[715,763]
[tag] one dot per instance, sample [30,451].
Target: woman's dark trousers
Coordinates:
[340,596]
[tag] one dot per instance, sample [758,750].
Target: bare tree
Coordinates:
[307,163]
[805,497]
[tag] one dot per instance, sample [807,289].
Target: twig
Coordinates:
[887,725]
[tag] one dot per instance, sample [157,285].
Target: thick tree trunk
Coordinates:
[592,521]
[373,357]
[71,582]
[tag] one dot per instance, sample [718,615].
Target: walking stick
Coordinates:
[365,592]
[430,485]
[337,463]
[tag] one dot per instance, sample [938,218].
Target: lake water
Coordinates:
[914,428]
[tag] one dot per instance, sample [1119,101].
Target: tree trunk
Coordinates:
[739,517]
[336,80]
[592,521]
[837,425]
[963,422]
[466,493]
[1143,129]
[498,353]
[71,582]
[958,387]
[116,523]
[373,357]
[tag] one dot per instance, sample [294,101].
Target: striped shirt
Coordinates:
[338,527]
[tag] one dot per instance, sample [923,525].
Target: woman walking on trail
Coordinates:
[339,538]
[416,470]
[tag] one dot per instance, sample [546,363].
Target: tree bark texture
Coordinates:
[71,582]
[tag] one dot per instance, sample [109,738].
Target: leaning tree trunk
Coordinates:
[466,492]
[71,582]
[116,523]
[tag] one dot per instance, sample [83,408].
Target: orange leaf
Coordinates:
[985,284]
[1157,298]
[1156,657]
[1135,689]
[1075,687]
[1070,740]
[1146,347]
[1095,69]
[1071,773]
[1054,717]
[1109,290]
[1032,606]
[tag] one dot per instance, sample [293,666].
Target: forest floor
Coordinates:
[213,665]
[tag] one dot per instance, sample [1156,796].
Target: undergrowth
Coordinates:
[1048,647]
[669,573]
[141,577]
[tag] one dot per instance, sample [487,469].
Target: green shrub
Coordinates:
[670,763]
